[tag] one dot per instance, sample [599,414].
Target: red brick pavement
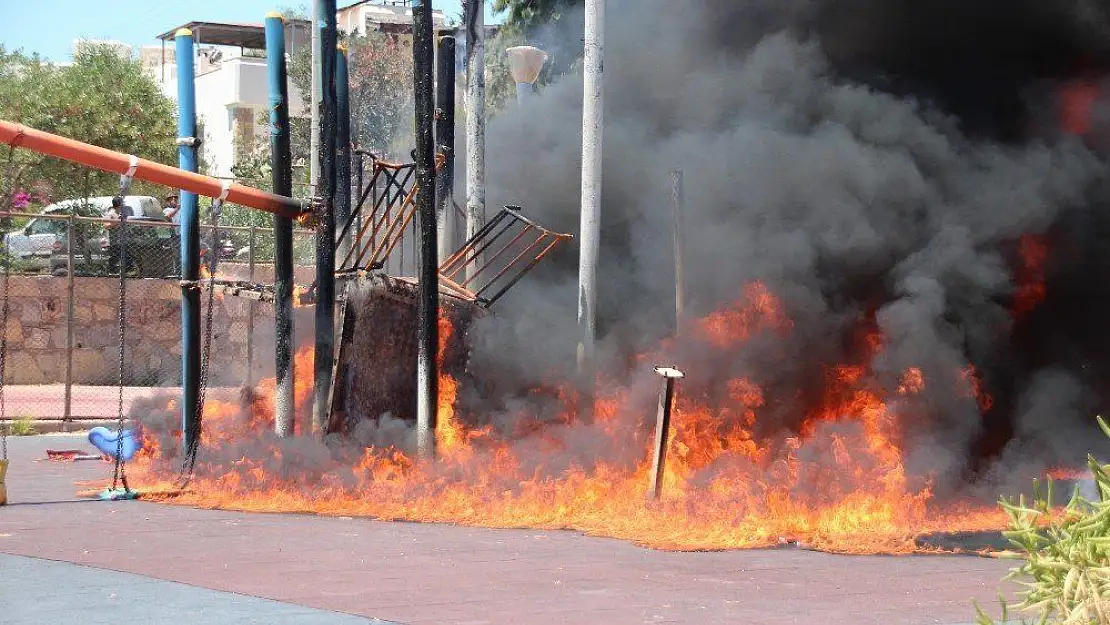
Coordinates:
[415,573]
[47,401]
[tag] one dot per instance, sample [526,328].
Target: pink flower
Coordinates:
[21,199]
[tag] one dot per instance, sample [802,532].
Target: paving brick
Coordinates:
[418,573]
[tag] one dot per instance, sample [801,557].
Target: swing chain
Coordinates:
[118,473]
[189,462]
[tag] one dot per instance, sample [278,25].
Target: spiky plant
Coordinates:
[1065,570]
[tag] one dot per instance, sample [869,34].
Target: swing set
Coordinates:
[121,445]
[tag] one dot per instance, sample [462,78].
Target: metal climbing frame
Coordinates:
[497,257]
[481,271]
[385,212]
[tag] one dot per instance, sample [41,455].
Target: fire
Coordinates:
[450,436]
[1077,102]
[837,482]
[1030,275]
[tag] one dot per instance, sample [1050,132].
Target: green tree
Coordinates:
[103,98]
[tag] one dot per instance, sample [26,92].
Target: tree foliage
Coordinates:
[102,98]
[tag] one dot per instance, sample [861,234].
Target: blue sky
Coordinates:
[49,27]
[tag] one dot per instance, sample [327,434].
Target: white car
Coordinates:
[38,238]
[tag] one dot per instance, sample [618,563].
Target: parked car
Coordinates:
[90,259]
[36,242]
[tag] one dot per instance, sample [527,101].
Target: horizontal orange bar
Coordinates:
[88,155]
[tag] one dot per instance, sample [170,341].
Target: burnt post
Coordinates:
[427,330]
[445,138]
[282,178]
[325,228]
[662,428]
[678,210]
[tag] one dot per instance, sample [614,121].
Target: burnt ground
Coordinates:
[414,573]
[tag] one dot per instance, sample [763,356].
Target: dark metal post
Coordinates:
[70,313]
[678,209]
[342,146]
[663,429]
[445,139]
[252,241]
[427,329]
[325,229]
[282,173]
[190,246]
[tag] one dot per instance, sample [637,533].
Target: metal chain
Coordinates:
[189,462]
[118,474]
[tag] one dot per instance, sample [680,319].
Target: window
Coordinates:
[45,226]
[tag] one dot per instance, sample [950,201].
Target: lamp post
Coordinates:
[525,64]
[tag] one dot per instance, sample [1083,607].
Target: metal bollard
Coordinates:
[662,428]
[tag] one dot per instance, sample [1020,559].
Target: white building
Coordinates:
[232,85]
[391,16]
[120,48]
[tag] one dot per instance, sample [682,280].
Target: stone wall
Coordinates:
[37,323]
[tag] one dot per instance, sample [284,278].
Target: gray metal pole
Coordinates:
[523,92]
[427,309]
[445,140]
[662,429]
[342,148]
[592,119]
[678,210]
[475,120]
[250,308]
[317,96]
[70,313]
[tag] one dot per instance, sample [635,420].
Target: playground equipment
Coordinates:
[20,136]
[379,292]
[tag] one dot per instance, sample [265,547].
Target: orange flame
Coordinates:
[838,483]
[1030,291]
[1077,102]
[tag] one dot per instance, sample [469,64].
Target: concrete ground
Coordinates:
[314,567]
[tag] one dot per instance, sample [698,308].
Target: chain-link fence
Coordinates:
[64,296]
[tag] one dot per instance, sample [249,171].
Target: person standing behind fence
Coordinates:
[112,226]
[172,209]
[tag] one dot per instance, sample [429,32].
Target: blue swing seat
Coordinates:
[107,441]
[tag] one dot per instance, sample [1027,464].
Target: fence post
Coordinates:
[250,307]
[70,312]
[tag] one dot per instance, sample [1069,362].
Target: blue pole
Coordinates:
[282,173]
[190,247]
[342,147]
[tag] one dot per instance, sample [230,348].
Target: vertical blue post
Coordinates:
[342,147]
[282,177]
[190,247]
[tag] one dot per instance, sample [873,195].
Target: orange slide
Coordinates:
[20,136]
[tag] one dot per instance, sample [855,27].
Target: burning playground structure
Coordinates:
[853,319]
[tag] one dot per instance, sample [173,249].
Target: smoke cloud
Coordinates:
[874,164]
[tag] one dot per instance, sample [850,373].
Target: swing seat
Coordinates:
[107,442]
[117,494]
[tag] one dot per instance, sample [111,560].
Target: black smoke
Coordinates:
[874,164]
